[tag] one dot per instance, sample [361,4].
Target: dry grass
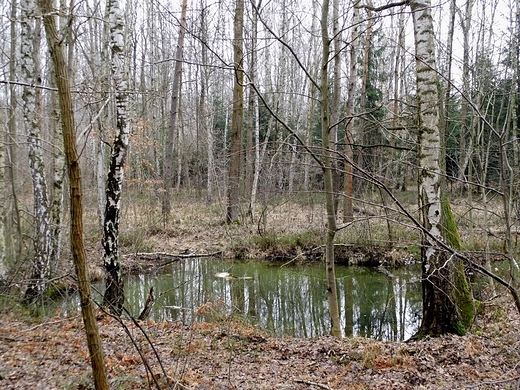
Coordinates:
[196,227]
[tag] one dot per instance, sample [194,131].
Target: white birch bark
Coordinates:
[447,297]
[114,297]
[429,131]
[42,239]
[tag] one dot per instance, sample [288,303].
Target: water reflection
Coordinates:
[286,300]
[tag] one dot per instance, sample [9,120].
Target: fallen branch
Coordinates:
[176,256]
[313,384]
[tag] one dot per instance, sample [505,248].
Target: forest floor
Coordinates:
[228,355]
[51,353]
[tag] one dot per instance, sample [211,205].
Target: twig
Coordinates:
[147,306]
[310,383]
[146,364]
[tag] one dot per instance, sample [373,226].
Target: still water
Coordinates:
[286,300]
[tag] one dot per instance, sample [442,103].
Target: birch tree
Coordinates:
[114,293]
[29,38]
[447,300]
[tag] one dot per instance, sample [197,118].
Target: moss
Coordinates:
[462,288]
[449,226]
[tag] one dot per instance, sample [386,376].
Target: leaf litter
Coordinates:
[233,355]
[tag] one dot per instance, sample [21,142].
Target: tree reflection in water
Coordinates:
[286,300]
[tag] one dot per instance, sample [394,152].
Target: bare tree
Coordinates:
[14,240]
[332,292]
[76,205]
[172,127]
[233,192]
[348,178]
[114,293]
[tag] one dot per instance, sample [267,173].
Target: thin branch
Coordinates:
[383,7]
[311,383]
[22,84]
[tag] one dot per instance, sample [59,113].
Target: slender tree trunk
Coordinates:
[59,164]
[313,65]
[348,182]
[332,291]
[233,197]
[359,136]
[448,69]
[14,241]
[446,291]
[466,135]
[205,112]
[3,192]
[76,207]
[254,118]
[168,175]
[114,293]
[335,109]
[29,42]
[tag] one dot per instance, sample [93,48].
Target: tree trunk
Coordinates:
[332,291]
[348,182]
[207,124]
[29,39]
[233,192]
[14,242]
[76,206]
[3,192]
[254,118]
[172,127]
[466,129]
[114,293]
[445,288]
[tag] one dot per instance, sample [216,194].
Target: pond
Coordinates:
[285,300]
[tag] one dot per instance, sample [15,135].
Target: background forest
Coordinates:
[220,103]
